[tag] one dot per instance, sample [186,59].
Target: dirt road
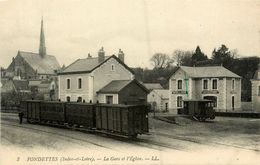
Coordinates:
[224,140]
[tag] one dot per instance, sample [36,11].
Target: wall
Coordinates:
[102,98]
[174,92]
[103,75]
[20,64]
[74,92]
[133,94]
[255,96]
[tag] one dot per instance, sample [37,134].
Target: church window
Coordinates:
[233,84]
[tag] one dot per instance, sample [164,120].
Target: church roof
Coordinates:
[208,71]
[89,64]
[46,65]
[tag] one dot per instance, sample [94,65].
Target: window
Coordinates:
[205,84]
[68,99]
[109,99]
[79,99]
[112,67]
[79,83]
[233,102]
[179,102]
[179,84]
[52,86]
[214,84]
[258,90]
[68,83]
[233,84]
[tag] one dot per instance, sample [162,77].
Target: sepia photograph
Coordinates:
[123,82]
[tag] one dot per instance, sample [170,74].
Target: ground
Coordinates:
[221,141]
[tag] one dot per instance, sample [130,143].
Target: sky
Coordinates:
[141,28]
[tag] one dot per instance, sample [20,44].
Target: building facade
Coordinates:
[83,78]
[123,92]
[213,83]
[256,90]
[159,100]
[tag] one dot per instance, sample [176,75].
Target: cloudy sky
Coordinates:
[74,28]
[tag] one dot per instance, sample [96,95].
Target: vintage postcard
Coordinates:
[130,82]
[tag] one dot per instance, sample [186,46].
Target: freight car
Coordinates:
[198,109]
[119,120]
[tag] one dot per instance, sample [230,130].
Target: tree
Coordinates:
[161,60]
[198,55]
[182,57]
[223,56]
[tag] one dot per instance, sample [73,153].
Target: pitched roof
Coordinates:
[46,65]
[89,64]
[151,86]
[163,93]
[116,86]
[256,75]
[208,71]
[21,84]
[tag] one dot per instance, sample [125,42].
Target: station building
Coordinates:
[213,83]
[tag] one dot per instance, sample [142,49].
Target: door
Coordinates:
[233,103]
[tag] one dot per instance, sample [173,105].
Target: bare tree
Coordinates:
[182,57]
[161,60]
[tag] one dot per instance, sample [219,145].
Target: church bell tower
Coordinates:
[42,49]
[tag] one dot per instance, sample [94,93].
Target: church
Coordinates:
[28,65]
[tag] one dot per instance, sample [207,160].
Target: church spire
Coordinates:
[42,49]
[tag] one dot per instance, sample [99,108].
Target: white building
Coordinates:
[214,83]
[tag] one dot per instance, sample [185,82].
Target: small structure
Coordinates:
[256,90]
[159,100]
[123,92]
[213,83]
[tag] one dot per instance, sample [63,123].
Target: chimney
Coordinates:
[89,56]
[101,55]
[121,55]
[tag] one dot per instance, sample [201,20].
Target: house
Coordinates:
[256,90]
[44,89]
[28,65]
[123,92]
[159,100]
[213,82]
[82,79]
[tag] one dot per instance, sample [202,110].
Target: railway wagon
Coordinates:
[52,111]
[117,120]
[126,120]
[81,114]
[23,108]
[199,109]
[33,110]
